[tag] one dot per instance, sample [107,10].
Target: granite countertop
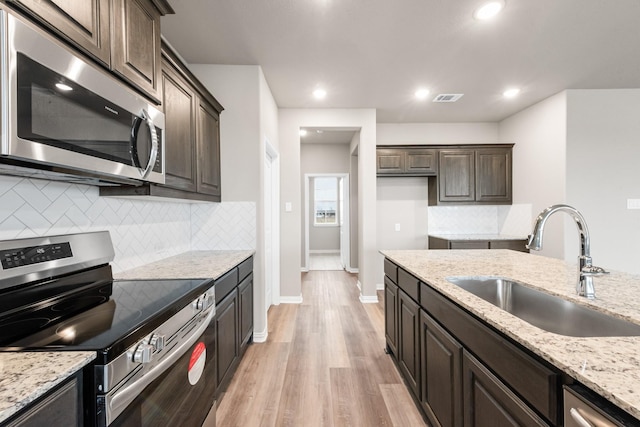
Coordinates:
[478,237]
[189,265]
[609,366]
[26,376]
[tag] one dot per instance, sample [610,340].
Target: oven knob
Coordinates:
[157,342]
[208,301]
[197,304]
[143,353]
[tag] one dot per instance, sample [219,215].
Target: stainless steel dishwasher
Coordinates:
[584,408]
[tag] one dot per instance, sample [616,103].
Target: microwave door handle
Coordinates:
[134,143]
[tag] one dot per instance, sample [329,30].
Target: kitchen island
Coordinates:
[607,365]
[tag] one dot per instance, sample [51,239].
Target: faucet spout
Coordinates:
[586,270]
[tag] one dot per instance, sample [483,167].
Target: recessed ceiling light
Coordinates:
[319,93]
[63,87]
[422,93]
[511,93]
[488,10]
[303,132]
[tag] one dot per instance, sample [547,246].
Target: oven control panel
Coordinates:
[19,257]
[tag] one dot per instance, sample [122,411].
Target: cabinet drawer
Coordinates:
[245,268]
[533,381]
[470,244]
[391,270]
[514,245]
[226,284]
[408,283]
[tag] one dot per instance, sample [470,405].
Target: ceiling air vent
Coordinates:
[448,97]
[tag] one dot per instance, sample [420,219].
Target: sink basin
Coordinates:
[548,312]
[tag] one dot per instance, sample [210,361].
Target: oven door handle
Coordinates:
[122,398]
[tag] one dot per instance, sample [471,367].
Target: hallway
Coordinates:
[323,365]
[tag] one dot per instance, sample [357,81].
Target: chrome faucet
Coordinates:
[586,270]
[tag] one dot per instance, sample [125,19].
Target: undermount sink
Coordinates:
[548,312]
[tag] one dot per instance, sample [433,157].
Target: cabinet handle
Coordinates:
[577,417]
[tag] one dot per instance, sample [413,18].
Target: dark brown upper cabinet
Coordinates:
[192,139]
[122,35]
[473,175]
[406,161]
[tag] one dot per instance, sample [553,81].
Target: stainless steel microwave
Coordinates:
[65,118]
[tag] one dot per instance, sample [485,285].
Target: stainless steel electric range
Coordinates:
[154,339]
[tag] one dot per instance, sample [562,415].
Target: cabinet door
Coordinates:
[135,49]
[245,301]
[390,161]
[208,150]
[421,162]
[441,374]
[391,315]
[456,179]
[409,340]
[84,22]
[179,101]
[493,175]
[488,402]
[62,407]
[227,349]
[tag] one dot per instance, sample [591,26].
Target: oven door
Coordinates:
[182,395]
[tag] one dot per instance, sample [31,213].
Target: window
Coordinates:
[325,196]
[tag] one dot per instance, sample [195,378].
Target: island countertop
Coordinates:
[609,366]
[25,376]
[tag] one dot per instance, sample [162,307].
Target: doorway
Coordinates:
[326,222]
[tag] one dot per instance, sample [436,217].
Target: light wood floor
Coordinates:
[323,365]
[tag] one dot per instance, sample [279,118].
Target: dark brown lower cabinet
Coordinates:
[227,349]
[390,315]
[488,402]
[245,306]
[441,374]
[61,407]
[409,340]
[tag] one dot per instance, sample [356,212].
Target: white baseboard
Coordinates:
[379,286]
[351,270]
[359,285]
[304,270]
[324,251]
[291,300]
[369,299]
[260,336]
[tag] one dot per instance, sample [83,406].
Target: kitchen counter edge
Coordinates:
[25,376]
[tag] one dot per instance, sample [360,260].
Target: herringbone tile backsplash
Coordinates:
[142,231]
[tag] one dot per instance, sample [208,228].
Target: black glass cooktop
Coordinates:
[112,323]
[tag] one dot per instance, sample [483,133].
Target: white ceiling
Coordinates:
[376,53]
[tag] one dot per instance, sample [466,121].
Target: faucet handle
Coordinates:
[592,270]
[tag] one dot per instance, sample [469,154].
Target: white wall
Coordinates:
[290,122]
[436,133]
[539,162]
[250,117]
[603,157]
[401,201]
